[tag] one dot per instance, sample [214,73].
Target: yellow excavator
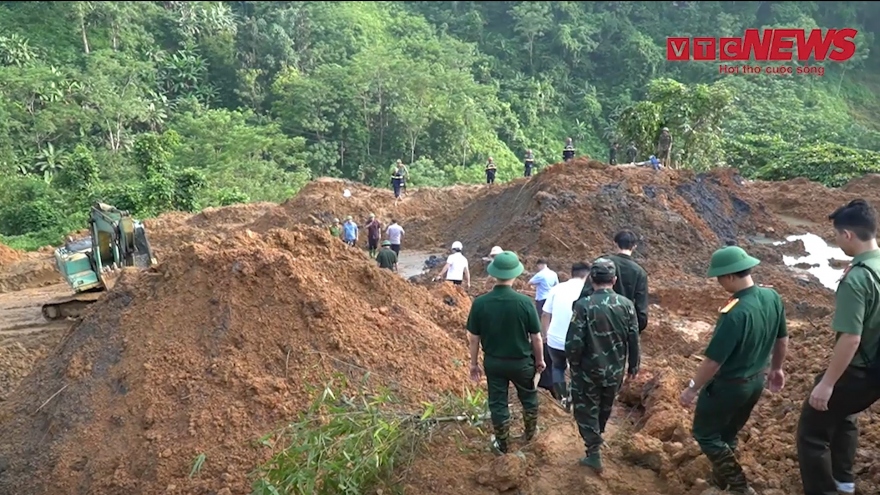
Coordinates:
[91,264]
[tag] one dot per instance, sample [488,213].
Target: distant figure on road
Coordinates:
[395,235]
[350,231]
[397,181]
[529,163]
[490,171]
[456,269]
[374,233]
[612,154]
[568,151]
[632,153]
[386,258]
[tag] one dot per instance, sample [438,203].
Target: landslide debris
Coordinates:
[215,347]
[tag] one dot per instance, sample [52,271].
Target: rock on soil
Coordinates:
[215,347]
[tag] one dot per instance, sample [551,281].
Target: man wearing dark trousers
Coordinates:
[632,279]
[828,434]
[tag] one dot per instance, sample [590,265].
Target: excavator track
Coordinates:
[70,306]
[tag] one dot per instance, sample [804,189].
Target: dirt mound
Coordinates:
[215,347]
[32,270]
[8,255]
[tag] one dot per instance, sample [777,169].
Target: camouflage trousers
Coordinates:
[593,401]
[500,373]
[723,408]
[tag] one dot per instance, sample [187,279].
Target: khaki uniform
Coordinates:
[856,312]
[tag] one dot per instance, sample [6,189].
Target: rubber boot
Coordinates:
[499,444]
[530,419]
[592,461]
[727,471]
[560,392]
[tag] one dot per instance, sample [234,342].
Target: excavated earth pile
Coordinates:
[217,346]
[8,255]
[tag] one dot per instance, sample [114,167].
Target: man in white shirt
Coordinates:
[456,269]
[543,281]
[395,235]
[558,309]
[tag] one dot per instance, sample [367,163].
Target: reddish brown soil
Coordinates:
[217,346]
[8,255]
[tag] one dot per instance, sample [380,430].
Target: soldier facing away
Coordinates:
[568,151]
[632,152]
[603,335]
[664,146]
[828,432]
[612,154]
[490,171]
[730,380]
[505,323]
[529,163]
[632,279]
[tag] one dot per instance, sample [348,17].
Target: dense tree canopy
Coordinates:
[153,106]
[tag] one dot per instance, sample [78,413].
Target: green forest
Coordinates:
[158,106]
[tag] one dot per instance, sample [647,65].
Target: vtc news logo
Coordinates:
[773,45]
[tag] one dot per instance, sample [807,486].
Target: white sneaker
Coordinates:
[845,488]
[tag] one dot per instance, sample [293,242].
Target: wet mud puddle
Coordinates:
[414,263]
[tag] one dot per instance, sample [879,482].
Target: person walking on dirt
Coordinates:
[456,269]
[374,233]
[336,228]
[543,281]
[612,154]
[350,231]
[664,146]
[568,151]
[632,279]
[404,171]
[504,323]
[556,317]
[395,235]
[490,171]
[529,163]
[397,181]
[730,380]
[386,257]
[828,434]
[632,152]
[602,337]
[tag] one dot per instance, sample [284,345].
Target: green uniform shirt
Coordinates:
[504,320]
[335,231]
[746,332]
[386,258]
[857,306]
[603,333]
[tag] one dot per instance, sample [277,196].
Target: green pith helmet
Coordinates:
[730,259]
[505,266]
[386,243]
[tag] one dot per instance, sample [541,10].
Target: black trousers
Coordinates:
[455,282]
[827,440]
[490,176]
[396,248]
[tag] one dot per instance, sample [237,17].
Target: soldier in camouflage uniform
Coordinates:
[603,334]
[750,334]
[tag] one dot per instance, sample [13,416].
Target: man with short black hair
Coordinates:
[505,324]
[543,280]
[395,235]
[602,337]
[555,319]
[851,383]
[632,279]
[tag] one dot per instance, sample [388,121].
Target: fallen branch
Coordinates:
[50,398]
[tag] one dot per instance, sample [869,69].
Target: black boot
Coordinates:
[502,433]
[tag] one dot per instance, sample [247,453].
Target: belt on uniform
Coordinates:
[508,358]
[745,379]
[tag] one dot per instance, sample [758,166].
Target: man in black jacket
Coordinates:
[632,279]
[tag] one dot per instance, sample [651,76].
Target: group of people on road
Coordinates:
[386,257]
[590,325]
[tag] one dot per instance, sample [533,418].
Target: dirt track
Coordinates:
[221,340]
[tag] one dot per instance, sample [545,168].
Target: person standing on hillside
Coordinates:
[612,154]
[632,152]
[529,163]
[543,280]
[456,269]
[828,433]
[556,317]
[568,151]
[603,335]
[350,232]
[397,180]
[504,323]
[750,329]
[386,258]
[632,279]
[374,233]
[336,228]
[664,146]
[395,235]
[490,171]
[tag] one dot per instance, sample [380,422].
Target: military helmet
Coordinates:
[730,259]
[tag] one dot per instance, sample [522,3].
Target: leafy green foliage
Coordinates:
[153,106]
